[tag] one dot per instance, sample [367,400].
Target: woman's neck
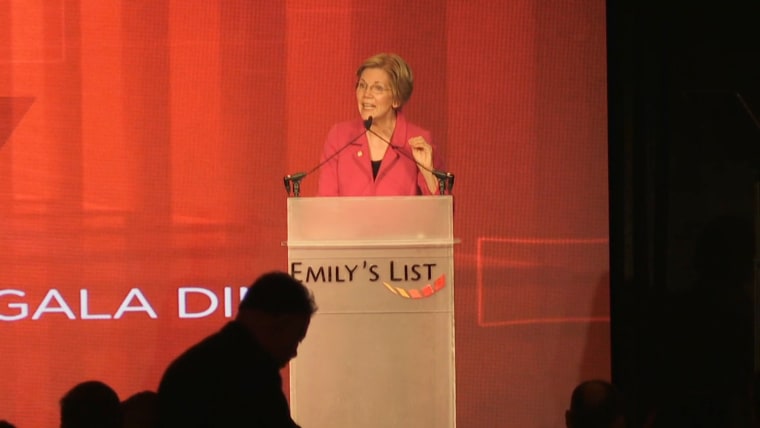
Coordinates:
[385,126]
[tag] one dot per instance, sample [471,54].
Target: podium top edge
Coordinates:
[433,243]
[420,197]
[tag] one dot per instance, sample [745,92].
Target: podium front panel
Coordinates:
[380,349]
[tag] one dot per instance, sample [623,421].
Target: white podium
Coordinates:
[380,349]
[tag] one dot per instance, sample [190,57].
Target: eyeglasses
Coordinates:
[375,88]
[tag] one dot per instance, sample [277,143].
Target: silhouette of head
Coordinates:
[277,310]
[595,404]
[139,409]
[91,404]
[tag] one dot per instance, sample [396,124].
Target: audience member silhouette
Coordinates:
[6,424]
[91,404]
[595,404]
[232,378]
[139,410]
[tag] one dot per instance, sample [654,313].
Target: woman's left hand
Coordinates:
[422,151]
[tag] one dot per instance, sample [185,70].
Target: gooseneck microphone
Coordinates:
[445,179]
[293,181]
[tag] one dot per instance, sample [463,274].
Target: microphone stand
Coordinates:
[445,179]
[294,180]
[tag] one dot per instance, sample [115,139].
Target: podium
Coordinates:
[380,349]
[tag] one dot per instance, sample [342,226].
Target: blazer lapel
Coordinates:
[359,152]
[398,143]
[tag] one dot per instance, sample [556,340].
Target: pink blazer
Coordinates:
[350,172]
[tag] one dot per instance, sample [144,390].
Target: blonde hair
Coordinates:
[401,77]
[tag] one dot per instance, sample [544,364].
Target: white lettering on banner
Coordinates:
[212,305]
[14,307]
[85,308]
[182,301]
[62,307]
[23,308]
[55,303]
[227,302]
[144,305]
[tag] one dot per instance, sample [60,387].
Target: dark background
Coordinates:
[684,142]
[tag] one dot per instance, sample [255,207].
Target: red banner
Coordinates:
[142,149]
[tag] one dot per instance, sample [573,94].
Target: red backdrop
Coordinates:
[142,149]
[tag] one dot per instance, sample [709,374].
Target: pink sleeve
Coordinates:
[422,184]
[438,164]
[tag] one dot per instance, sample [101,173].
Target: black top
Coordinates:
[226,380]
[376,168]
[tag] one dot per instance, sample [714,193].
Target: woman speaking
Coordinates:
[380,153]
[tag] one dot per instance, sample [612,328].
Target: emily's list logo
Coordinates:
[421,293]
[405,280]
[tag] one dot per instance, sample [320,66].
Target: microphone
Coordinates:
[445,179]
[294,180]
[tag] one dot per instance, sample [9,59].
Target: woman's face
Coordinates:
[374,95]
